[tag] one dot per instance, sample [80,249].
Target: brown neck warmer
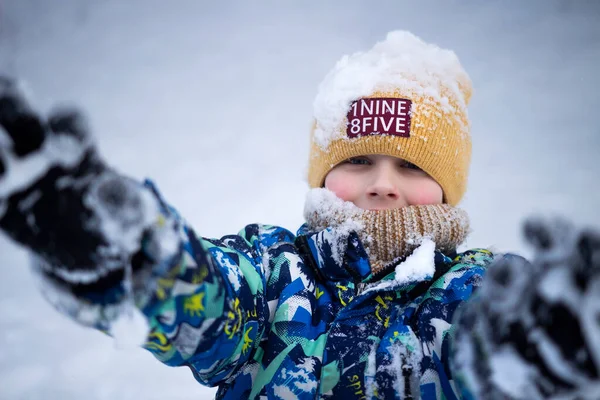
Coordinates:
[389,235]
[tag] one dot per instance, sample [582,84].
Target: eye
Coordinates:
[408,165]
[358,161]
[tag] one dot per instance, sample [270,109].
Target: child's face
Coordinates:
[379,182]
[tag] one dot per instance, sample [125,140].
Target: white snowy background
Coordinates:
[213,100]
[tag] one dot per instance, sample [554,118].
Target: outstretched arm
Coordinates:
[100,239]
[533,331]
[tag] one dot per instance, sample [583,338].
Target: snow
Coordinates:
[419,265]
[511,373]
[124,224]
[328,207]
[214,102]
[554,359]
[558,286]
[322,209]
[130,329]
[402,360]
[371,370]
[401,61]
[589,317]
[62,150]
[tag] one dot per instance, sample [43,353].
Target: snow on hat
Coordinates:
[404,98]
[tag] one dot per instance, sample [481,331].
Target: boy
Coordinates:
[363,302]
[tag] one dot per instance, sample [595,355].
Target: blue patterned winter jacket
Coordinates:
[270,314]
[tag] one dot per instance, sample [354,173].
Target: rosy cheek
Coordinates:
[338,184]
[427,192]
[341,191]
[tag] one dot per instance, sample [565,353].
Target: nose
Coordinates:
[384,185]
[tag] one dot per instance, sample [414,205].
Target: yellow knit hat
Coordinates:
[403,98]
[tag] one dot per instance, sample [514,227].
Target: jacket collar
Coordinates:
[340,256]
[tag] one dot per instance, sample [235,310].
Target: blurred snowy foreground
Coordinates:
[214,102]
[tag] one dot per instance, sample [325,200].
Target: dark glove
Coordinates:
[59,199]
[533,331]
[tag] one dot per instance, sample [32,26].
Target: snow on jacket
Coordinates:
[269,314]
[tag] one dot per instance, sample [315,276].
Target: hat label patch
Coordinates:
[379,116]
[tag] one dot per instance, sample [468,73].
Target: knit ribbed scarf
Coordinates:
[388,236]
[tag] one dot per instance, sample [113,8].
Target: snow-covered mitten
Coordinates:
[59,199]
[533,330]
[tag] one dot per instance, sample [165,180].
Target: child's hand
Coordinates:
[59,198]
[534,331]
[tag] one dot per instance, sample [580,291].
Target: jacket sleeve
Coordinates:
[205,303]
